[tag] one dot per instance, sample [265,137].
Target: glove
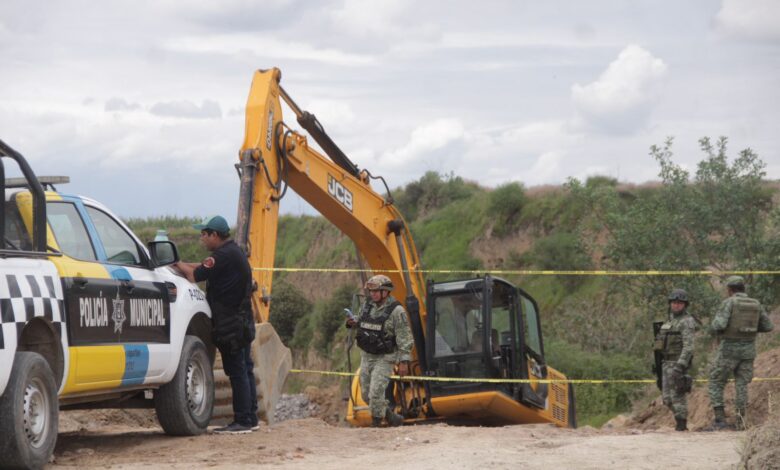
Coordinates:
[350,323]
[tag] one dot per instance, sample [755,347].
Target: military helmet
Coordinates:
[379,282]
[733,281]
[679,295]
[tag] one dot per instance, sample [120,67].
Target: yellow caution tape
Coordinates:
[416,378]
[525,272]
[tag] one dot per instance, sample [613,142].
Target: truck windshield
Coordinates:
[459,323]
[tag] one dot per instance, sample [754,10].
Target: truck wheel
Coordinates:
[29,413]
[184,405]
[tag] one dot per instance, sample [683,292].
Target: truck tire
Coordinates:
[29,413]
[184,405]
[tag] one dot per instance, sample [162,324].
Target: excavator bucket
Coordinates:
[273,361]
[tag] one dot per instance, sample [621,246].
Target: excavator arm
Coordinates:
[273,155]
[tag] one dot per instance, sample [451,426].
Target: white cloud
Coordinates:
[534,135]
[546,169]
[752,19]
[265,47]
[372,18]
[333,115]
[428,145]
[120,104]
[621,99]
[563,38]
[187,109]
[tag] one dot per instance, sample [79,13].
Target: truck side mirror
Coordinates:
[163,253]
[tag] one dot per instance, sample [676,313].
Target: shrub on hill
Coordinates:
[505,206]
[288,306]
[431,192]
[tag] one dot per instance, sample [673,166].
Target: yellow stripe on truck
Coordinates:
[95,368]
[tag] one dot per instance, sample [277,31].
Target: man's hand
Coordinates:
[186,269]
[678,369]
[403,368]
[350,323]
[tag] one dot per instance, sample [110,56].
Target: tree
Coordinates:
[288,306]
[713,219]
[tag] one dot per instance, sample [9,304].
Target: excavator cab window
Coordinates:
[485,328]
[533,337]
[459,323]
[531,356]
[475,334]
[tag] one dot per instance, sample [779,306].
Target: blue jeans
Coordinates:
[239,367]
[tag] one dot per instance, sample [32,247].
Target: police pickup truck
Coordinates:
[90,318]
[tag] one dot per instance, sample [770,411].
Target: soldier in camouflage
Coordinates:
[385,340]
[736,323]
[675,342]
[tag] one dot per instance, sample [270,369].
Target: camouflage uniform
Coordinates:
[376,369]
[736,351]
[678,350]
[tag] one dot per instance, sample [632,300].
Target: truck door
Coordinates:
[96,362]
[145,333]
[106,350]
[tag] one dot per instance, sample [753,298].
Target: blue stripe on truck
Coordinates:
[136,364]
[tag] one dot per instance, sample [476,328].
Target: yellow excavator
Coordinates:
[481,328]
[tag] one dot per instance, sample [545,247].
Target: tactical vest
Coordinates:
[371,335]
[743,324]
[669,342]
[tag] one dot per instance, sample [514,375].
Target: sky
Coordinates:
[141,102]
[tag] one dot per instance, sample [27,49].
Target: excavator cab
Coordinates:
[484,328]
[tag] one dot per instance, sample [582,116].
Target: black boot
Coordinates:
[376,422]
[720,418]
[393,419]
[681,424]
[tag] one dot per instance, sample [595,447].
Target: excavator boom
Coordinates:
[273,155]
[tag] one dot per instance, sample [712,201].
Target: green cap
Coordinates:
[735,281]
[216,223]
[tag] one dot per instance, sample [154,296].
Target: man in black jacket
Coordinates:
[228,278]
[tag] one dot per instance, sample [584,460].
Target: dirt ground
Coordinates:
[312,443]
[645,440]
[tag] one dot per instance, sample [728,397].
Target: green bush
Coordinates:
[288,306]
[560,251]
[330,316]
[431,192]
[505,206]
[304,332]
[600,180]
